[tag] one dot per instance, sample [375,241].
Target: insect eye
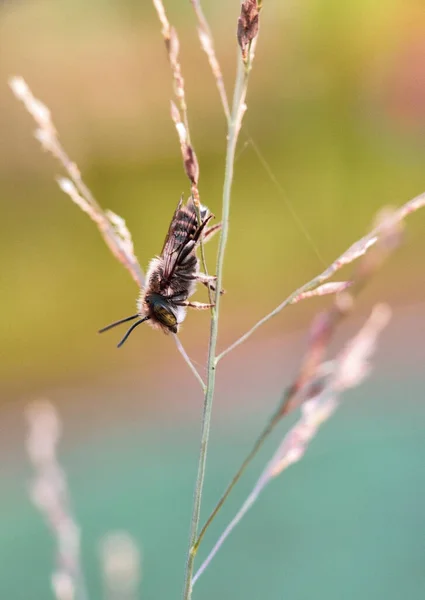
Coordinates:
[165,316]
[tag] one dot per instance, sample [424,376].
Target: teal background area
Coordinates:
[346,522]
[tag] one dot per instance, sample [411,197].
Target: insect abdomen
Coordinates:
[185,225]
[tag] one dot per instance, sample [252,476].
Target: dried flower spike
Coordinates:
[49,493]
[247,25]
[191,165]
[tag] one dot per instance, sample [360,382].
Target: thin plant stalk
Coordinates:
[238,111]
[189,363]
[254,451]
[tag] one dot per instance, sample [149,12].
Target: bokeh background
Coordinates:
[336,112]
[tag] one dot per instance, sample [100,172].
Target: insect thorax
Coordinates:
[182,282]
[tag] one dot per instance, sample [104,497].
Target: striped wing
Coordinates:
[183,233]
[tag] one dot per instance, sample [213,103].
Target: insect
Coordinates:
[172,277]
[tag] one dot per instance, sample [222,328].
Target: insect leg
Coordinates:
[203,278]
[211,231]
[201,228]
[186,250]
[178,298]
[197,305]
[208,281]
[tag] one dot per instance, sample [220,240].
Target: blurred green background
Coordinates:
[336,112]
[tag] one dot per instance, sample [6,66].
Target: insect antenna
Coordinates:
[118,323]
[131,329]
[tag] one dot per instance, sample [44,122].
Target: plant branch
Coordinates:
[354,252]
[321,399]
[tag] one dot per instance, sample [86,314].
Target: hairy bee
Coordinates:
[172,277]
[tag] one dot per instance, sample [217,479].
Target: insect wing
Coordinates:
[182,232]
[169,238]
